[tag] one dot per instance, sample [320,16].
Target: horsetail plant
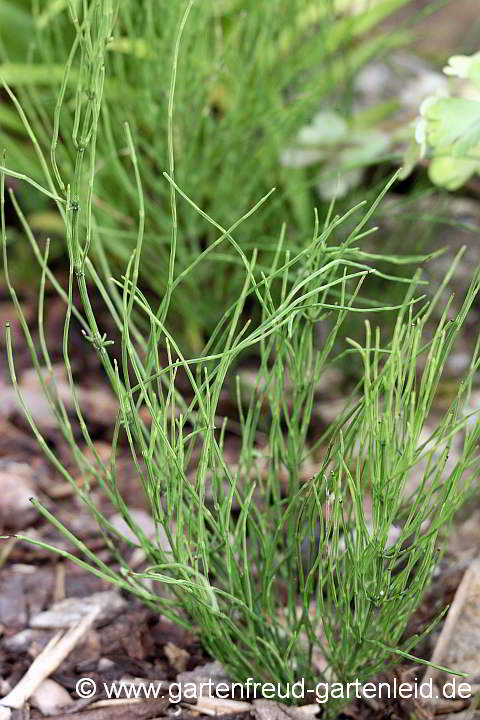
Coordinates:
[234,564]
[282,577]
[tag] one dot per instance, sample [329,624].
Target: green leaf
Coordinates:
[451,172]
[453,123]
[464,66]
[474,73]
[410,159]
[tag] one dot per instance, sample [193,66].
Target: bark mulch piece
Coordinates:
[140,711]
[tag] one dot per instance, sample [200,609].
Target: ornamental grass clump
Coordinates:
[282,578]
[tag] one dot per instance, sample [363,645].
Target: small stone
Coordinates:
[105,664]
[24,640]
[177,657]
[205,677]
[68,612]
[145,524]
[50,697]
[16,488]
[5,687]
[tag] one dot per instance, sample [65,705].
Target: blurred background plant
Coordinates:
[250,76]
[447,132]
